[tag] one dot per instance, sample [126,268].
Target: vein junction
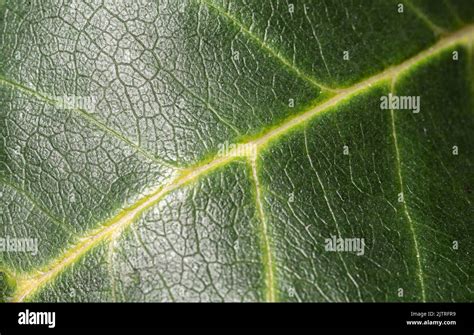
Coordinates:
[29,283]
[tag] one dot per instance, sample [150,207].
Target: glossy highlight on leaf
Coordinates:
[227,150]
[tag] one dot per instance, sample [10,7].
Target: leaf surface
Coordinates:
[131,198]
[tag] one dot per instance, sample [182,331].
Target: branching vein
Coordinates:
[269,266]
[264,46]
[86,115]
[423,17]
[419,269]
[29,283]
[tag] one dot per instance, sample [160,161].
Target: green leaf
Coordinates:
[210,150]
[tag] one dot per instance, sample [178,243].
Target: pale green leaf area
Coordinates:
[210,150]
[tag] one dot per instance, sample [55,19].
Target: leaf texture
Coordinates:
[131,199]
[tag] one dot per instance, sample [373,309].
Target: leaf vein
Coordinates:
[419,269]
[265,47]
[269,264]
[86,115]
[29,283]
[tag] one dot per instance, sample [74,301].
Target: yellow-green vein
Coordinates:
[29,283]
[264,46]
[268,262]
[423,17]
[419,269]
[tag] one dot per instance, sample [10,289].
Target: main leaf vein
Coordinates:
[29,283]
